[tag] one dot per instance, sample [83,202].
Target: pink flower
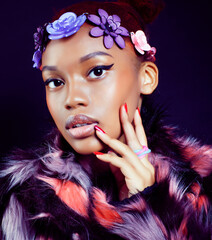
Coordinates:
[140,42]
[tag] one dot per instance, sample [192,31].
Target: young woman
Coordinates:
[97,178]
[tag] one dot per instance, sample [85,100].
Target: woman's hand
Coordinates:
[132,174]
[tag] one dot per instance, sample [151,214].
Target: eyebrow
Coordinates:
[49,68]
[94,54]
[82,59]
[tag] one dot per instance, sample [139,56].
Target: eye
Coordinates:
[99,71]
[53,83]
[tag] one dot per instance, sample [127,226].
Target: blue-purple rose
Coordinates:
[65,26]
[109,27]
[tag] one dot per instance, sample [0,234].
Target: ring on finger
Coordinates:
[142,152]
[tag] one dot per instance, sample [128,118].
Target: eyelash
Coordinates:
[101,68]
[53,81]
[97,68]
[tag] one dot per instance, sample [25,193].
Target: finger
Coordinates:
[124,151]
[113,169]
[121,179]
[141,136]
[125,167]
[128,129]
[139,129]
[115,160]
[135,180]
[118,147]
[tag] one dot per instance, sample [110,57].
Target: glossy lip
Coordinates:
[80,131]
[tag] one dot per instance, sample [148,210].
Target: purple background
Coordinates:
[181,34]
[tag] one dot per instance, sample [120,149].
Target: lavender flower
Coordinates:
[65,26]
[40,41]
[38,37]
[37,58]
[109,26]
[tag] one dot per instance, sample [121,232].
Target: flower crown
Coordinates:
[108,26]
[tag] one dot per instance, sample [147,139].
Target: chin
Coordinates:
[87,146]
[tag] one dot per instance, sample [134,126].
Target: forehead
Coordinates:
[80,44]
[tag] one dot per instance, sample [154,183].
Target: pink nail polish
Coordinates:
[125,106]
[99,129]
[98,153]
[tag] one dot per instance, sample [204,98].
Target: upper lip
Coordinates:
[79,119]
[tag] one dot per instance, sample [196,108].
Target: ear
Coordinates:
[148,77]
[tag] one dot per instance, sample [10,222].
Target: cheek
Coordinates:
[55,108]
[50,105]
[122,87]
[105,107]
[133,100]
[128,90]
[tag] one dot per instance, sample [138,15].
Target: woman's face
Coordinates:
[86,84]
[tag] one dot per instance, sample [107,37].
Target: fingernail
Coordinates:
[98,153]
[125,106]
[139,111]
[99,129]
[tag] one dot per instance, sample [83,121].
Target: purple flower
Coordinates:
[37,58]
[109,26]
[40,41]
[39,46]
[65,26]
[38,37]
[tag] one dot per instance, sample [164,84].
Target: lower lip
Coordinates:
[82,132]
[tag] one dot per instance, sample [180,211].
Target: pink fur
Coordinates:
[72,195]
[105,213]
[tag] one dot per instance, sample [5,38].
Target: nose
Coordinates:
[76,95]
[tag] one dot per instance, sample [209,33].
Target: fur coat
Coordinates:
[178,206]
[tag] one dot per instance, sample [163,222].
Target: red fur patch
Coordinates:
[183,228]
[195,188]
[200,156]
[70,193]
[203,203]
[194,194]
[198,201]
[105,213]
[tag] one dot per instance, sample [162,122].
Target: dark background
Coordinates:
[181,34]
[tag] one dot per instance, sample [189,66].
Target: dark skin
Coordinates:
[83,77]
